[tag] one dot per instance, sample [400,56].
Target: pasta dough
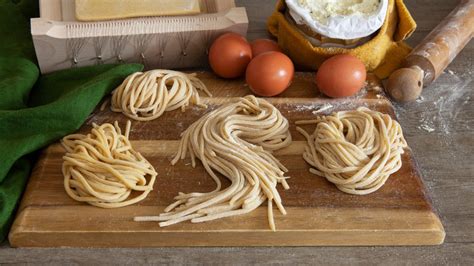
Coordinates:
[102,169]
[95,10]
[355,150]
[236,141]
[146,96]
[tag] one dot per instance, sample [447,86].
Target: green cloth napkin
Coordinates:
[38,110]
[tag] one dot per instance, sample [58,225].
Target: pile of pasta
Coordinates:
[102,168]
[236,140]
[356,150]
[146,96]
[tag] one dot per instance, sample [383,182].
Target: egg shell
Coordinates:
[260,46]
[229,55]
[341,76]
[270,74]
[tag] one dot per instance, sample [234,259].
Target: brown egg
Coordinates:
[261,46]
[341,76]
[269,74]
[229,55]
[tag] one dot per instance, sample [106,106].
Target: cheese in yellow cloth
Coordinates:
[382,54]
[92,10]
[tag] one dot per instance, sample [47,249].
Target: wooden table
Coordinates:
[439,129]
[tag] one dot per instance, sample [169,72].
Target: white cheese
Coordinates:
[321,10]
[340,19]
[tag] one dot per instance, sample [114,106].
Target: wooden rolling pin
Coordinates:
[428,60]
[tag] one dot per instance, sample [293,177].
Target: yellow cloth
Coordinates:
[382,54]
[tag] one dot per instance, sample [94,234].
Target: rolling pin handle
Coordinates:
[405,84]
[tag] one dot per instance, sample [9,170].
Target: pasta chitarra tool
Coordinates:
[157,42]
[428,60]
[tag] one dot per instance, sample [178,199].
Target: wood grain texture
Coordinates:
[318,213]
[170,41]
[450,184]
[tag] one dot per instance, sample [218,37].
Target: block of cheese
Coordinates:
[94,10]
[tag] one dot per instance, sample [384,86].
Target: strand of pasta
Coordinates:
[146,96]
[236,141]
[356,150]
[102,169]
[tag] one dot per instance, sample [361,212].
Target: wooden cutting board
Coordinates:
[399,213]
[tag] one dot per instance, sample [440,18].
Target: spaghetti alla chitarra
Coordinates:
[356,150]
[146,96]
[102,168]
[236,140]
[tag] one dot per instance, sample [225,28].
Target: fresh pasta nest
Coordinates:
[102,168]
[356,150]
[146,96]
[236,140]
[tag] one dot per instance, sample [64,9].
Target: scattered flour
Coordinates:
[443,101]
[331,105]
[323,108]
[443,112]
